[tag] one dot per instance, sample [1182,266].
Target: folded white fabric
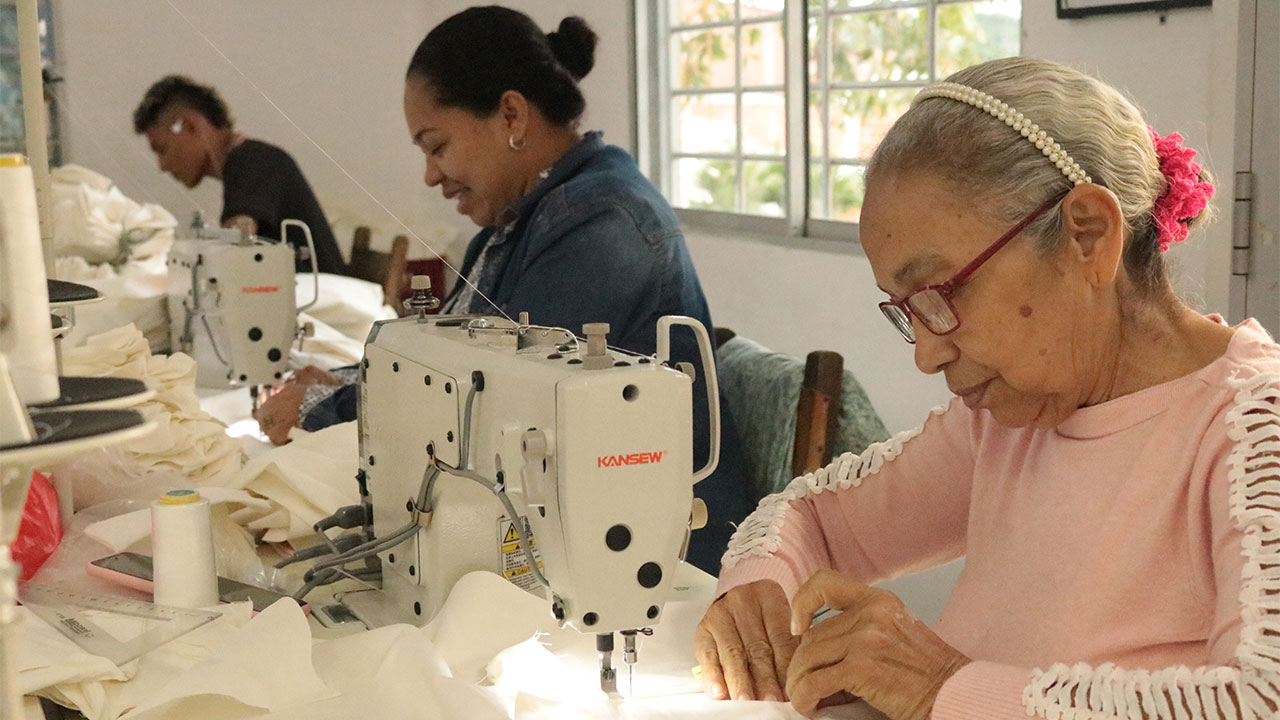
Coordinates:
[267,665]
[188,444]
[347,304]
[308,479]
[93,219]
[53,666]
[136,292]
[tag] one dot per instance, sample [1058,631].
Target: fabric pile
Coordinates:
[188,448]
[492,652]
[115,245]
[92,219]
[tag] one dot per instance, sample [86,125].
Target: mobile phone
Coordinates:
[134,570]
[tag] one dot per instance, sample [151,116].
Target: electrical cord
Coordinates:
[337,545]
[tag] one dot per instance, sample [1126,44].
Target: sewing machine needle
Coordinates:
[631,681]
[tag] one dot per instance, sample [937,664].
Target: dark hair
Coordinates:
[470,59]
[180,91]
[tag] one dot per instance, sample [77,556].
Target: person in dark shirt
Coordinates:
[193,136]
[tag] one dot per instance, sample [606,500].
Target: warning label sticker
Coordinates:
[515,566]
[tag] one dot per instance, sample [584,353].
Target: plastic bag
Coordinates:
[40,529]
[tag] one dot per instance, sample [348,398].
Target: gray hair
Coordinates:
[975,153]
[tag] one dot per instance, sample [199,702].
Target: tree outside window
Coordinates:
[866,59]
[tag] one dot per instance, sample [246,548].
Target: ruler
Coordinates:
[69,611]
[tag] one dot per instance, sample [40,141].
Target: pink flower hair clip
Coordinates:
[1187,194]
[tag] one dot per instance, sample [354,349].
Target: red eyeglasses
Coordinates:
[932,304]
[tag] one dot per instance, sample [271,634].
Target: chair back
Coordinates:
[793,415]
[389,269]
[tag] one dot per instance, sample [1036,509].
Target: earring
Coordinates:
[511,140]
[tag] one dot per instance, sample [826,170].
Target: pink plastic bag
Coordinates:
[40,529]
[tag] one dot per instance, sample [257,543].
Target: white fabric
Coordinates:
[94,220]
[122,531]
[349,305]
[136,293]
[308,479]
[57,668]
[272,668]
[188,448]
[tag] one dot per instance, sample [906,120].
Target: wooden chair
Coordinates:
[388,269]
[818,409]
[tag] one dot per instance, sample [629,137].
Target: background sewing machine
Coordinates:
[231,304]
[560,464]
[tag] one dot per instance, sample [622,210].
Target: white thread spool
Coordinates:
[182,546]
[27,342]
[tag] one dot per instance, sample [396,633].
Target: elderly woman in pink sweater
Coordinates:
[1109,468]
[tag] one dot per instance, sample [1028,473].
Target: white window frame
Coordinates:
[653,115]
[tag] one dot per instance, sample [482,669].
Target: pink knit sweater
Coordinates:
[1129,558]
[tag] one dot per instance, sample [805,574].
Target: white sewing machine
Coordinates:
[231,304]
[478,432]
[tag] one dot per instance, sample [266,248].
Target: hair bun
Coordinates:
[574,45]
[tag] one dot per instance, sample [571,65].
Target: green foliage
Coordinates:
[885,45]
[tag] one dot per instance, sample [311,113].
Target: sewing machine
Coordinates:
[231,304]
[560,464]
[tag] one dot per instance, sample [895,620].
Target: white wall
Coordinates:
[334,67]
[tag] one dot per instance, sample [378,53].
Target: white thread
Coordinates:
[1002,111]
[1108,692]
[758,534]
[182,550]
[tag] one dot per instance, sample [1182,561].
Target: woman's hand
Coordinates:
[744,643]
[278,414]
[278,406]
[875,649]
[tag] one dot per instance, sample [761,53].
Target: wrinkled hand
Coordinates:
[744,643]
[875,649]
[278,414]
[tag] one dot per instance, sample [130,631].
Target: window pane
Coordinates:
[765,184]
[845,4]
[706,184]
[815,50]
[694,12]
[704,58]
[848,183]
[973,32]
[763,54]
[880,46]
[858,119]
[705,123]
[762,8]
[817,142]
[817,191]
[764,123]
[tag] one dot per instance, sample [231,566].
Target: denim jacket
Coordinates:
[594,241]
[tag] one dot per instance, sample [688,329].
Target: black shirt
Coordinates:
[263,182]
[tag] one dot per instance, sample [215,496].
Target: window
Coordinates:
[740,84]
[12,122]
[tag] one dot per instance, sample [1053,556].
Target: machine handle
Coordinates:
[311,246]
[708,371]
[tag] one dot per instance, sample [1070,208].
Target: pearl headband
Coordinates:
[1014,119]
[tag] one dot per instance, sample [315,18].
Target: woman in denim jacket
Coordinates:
[572,231]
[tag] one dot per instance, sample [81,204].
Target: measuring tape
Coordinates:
[67,611]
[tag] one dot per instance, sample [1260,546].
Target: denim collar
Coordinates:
[591,143]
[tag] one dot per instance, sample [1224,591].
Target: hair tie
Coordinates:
[1187,194]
